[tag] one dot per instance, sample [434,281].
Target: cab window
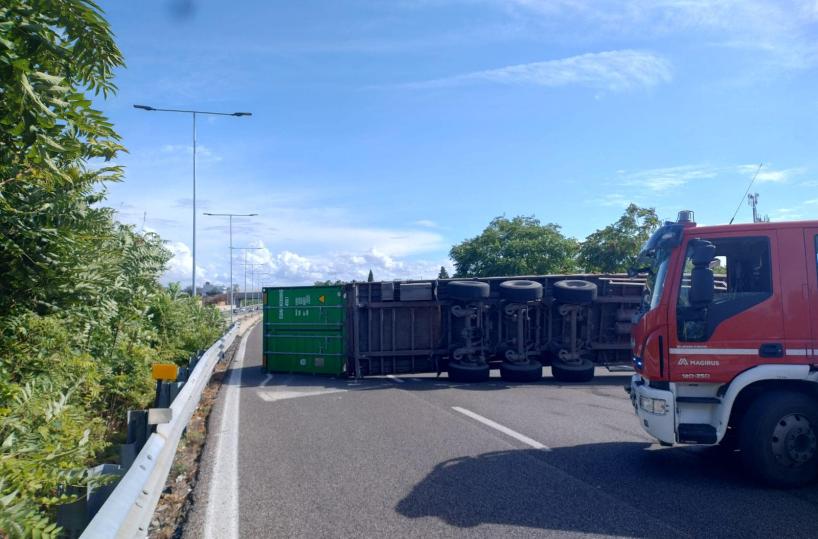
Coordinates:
[742,278]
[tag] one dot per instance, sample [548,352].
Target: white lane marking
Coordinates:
[395,379]
[505,430]
[715,351]
[280,395]
[222,512]
[267,380]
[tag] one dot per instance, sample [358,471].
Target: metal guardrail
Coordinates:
[128,511]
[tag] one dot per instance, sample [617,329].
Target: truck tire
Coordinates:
[778,438]
[520,291]
[525,372]
[582,371]
[467,290]
[469,372]
[575,291]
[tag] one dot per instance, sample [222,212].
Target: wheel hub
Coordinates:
[794,441]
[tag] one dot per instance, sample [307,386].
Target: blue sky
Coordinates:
[385,131]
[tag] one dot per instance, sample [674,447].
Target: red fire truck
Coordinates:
[726,345]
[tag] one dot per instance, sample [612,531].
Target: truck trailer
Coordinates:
[464,327]
[726,346]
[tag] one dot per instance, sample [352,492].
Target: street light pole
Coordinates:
[260,284]
[230,258]
[245,264]
[193,113]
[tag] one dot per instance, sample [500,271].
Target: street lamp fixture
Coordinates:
[193,113]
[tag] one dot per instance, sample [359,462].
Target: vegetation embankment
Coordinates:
[82,312]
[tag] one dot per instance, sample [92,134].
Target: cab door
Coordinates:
[742,326]
[811,248]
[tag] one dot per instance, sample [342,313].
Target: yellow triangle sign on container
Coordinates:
[322,299]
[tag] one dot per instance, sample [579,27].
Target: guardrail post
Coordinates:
[137,435]
[73,517]
[97,494]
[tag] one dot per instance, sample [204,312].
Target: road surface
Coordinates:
[417,456]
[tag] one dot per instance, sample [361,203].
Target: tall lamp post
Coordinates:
[259,276]
[245,249]
[230,216]
[252,270]
[193,113]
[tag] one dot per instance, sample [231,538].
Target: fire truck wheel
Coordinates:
[778,438]
[582,371]
[468,372]
[516,372]
[520,291]
[467,290]
[574,291]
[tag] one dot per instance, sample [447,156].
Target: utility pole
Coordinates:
[752,200]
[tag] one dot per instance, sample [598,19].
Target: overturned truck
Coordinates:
[465,327]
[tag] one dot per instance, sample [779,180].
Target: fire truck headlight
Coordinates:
[653,406]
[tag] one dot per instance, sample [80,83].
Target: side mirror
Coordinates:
[703,253]
[701,287]
[701,277]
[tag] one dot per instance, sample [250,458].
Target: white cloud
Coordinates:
[203,153]
[782,29]
[180,265]
[663,179]
[613,199]
[618,70]
[786,214]
[771,175]
[427,223]
[291,268]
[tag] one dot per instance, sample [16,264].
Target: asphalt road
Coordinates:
[421,457]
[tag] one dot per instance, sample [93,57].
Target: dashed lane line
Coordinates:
[501,428]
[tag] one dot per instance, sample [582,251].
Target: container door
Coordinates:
[304,330]
[811,247]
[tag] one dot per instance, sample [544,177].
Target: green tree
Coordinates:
[613,249]
[370,278]
[518,246]
[443,274]
[51,53]
[82,315]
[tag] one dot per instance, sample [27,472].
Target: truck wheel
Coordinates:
[469,372]
[777,438]
[574,291]
[467,290]
[581,371]
[525,372]
[520,291]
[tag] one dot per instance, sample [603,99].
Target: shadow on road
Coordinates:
[636,490]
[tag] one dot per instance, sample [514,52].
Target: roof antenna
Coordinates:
[744,196]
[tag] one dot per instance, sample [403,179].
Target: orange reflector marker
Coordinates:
[322,299]
[164,371]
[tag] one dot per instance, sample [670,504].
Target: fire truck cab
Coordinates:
[725,345]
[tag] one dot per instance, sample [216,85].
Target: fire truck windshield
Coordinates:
[656,278]
[653,260]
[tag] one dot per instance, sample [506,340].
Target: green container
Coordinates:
[304,329]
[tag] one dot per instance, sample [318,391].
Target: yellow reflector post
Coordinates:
[164,371]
